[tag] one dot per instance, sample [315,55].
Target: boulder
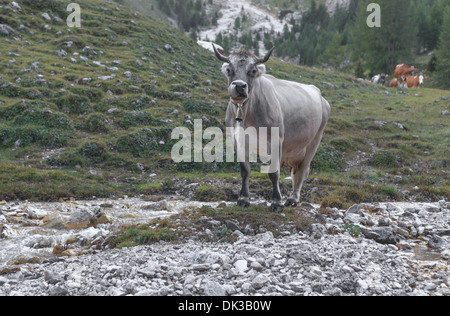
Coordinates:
[5,231]
[15,5]
[169,48]
[46,16]
[382,235]
[35,213]
[213,288]
[436,242]
[6,29]
[260,281]
[80,220]
[53,221]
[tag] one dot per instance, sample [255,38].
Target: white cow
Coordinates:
[298,111]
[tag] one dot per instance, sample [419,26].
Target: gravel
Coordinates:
[388,249]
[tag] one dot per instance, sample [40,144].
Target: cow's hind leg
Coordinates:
[299,178]
[244,198]
[277,205]
[297,182]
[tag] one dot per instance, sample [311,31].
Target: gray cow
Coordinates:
[261,100]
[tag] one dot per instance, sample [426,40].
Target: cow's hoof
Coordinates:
[277,207]
[291,203]
[243,202]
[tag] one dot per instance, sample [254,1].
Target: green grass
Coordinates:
[56,129]
[143,236]
[221,223]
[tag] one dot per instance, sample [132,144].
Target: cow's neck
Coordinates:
[259,108]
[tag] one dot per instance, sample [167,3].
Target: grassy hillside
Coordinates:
[89,112]
[64,115]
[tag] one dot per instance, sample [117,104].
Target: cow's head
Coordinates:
[242,69]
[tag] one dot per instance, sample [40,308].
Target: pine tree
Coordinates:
[436,18]
[237,23]
[359,69]
[332,53]
[391,44]
[443,52]
[193,34]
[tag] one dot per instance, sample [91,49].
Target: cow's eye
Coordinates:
[252,72]
[229,71]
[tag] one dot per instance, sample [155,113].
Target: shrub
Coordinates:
[95,152]
[26,135]
[8,113]
[42,4]
[11,91]
[385,159]
[96,123]
[144,235]
[327,159]
[74,104]
[150,188]
[201,107]
[44,118]
[94,95]
[132,119]
[138,144]
[145,142]
[388,191]
[210,194]
[67,159]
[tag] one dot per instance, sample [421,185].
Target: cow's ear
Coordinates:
[226,69]
[261,69]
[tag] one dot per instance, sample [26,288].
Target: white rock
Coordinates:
[213,288]
[260,281]
[104,78]
[16,5]
[46,16]
[241,265]
[36,213]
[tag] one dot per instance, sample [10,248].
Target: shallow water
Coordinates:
[426,254]
[28,238]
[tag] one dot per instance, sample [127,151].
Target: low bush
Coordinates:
[26,135]
[95,152]
[74,104]
[328,159]
[385,159]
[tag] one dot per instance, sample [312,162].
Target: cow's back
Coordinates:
[412,82]
[303,108]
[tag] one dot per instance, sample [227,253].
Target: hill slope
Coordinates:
[89,112]
[69,97]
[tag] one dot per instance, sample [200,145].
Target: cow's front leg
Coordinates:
[277,205]
[244,198]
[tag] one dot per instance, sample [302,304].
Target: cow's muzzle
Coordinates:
[238,91]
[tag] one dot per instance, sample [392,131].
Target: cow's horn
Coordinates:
[266,58]
[220,56]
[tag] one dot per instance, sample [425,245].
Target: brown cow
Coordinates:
[394,83]
[415,81]
[403,71]
[412,82]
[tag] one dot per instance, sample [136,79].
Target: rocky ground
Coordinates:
[371,249]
